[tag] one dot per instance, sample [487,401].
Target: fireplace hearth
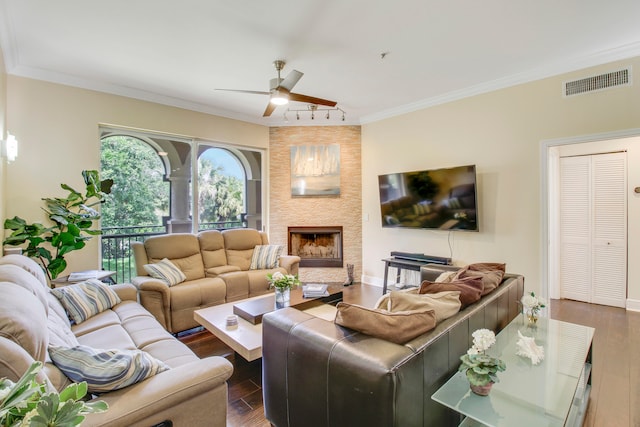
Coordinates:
[316,246]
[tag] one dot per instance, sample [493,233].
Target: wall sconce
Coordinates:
[10,148]
[313,108]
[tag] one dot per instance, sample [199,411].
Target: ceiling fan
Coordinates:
[280,91]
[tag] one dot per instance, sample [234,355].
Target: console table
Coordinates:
[400,264]
[552,393]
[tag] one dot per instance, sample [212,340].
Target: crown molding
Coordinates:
[616,54]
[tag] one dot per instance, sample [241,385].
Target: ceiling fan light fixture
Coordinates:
[279,98]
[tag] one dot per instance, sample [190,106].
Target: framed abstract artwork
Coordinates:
[315,170]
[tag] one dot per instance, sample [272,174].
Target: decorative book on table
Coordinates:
[315,290]
[83,275]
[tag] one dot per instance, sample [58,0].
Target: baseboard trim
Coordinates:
[372,280]
[633,304]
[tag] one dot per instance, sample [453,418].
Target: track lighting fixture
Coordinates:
[312,108]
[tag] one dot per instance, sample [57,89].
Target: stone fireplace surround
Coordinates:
[345,210]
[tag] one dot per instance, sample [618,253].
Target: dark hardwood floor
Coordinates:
[615,394]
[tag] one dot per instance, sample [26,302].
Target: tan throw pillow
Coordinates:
[470,289]
[490,273]
[446,277]
[445,304]
[398,327]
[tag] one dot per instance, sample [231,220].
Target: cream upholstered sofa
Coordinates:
[192,392]
[217,269]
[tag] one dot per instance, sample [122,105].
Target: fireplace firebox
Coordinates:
[316,246]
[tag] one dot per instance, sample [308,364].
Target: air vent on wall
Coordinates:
[597,83]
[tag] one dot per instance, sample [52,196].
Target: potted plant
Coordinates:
[72,218]
[282,284]
[27,403]
[480,368]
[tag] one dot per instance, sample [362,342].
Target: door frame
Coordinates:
[549,209]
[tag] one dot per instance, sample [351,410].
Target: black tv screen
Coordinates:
[442,199]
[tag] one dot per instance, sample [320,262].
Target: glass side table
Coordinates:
[552,393]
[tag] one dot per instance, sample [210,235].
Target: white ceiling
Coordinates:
[178,52]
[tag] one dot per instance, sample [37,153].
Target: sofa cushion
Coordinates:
[166,271]
[444,304]
[60,332]
[398,327]
[85,299]
[265,256]
[105,370]
[22,320]
[490,273]
[470,289]
[27,264]
[21,277]
[239,244]
[212,249]
[182,249]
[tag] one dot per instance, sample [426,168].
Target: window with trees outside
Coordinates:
[154,193]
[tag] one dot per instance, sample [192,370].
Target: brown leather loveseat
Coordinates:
[217,269]
[319,374]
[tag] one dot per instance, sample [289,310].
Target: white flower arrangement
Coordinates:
[480,368]
[532,303]
[282,281]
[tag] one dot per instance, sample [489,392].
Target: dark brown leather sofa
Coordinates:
[316,373]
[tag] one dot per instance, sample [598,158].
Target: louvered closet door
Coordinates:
[593,224]
[575,228]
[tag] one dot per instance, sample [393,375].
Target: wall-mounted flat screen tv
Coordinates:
[442,199]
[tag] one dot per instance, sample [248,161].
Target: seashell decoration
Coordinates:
[527,347]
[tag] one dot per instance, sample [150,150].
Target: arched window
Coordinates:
[221,189]
[138,205]
[140,194]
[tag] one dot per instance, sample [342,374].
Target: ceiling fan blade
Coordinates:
[256,92]
[269,110]
[290,81]
[311,100]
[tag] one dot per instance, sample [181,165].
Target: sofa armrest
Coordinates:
[140,257]
[155,296]
[126,291]
[290,263]
[166,390]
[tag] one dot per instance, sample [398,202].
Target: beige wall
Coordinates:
[501,133]
[57,127]
[3,130]
[345,210]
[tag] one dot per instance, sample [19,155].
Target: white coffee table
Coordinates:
[246,340]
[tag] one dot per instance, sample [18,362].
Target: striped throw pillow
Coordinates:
[86,299]
[265,256]
[105,370]
[166,271]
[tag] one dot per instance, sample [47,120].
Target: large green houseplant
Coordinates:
[28,403]
[72,218]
